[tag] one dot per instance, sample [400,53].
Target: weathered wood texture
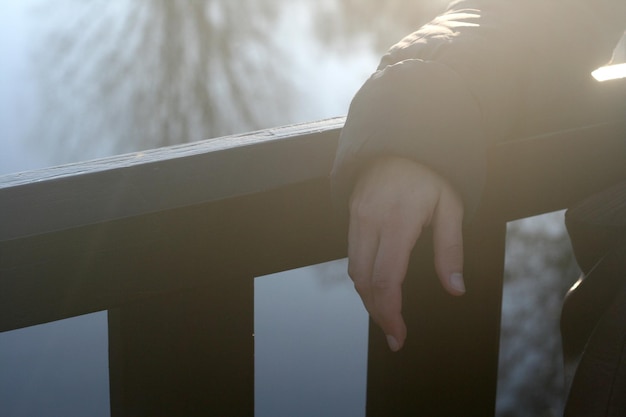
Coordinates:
[69,196]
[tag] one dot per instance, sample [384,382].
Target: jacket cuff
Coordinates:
[419,110]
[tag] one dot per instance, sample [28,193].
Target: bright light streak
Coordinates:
[610,72]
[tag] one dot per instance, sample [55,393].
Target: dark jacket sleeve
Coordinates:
[470,78]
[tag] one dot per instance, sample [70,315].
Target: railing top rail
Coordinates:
[73,195]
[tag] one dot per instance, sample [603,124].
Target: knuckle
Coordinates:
[393,217]
[362,211]
[381,284]
[353,272]
[361,288]
[452,253]
[453,248]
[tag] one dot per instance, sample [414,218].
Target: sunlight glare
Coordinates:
[610,72]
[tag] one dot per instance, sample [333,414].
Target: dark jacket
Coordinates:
[482,72]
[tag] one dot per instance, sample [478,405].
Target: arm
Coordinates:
[470,78]
[439,98]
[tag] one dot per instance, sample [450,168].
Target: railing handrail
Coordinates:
[78,194]
[525,179]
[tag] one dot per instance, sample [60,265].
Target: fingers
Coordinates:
[362,248]
[379,250]
[389,271]
[391,203]
[448,241]
[377,265]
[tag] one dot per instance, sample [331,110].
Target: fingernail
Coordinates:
[393,343]
[456,282]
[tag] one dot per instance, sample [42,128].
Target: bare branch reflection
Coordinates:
[144,74]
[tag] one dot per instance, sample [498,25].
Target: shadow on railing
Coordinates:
[169,241]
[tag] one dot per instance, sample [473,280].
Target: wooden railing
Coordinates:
[169,241]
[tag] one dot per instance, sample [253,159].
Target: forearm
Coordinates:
[472,77]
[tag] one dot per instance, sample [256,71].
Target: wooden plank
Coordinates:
[552,171]
[189,353]
[101,266]
[75,195]
[448,366]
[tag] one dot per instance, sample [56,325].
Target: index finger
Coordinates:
[362,247]
[389,271]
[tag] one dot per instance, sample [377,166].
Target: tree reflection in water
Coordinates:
[540,268]
[125,76]
[145,74]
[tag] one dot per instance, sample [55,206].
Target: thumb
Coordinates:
[448,241]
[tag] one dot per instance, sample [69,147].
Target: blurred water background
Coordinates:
[82,80]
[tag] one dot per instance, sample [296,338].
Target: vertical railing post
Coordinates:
[185,354]
[448,366]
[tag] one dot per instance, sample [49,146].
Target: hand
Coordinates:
[390,205]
